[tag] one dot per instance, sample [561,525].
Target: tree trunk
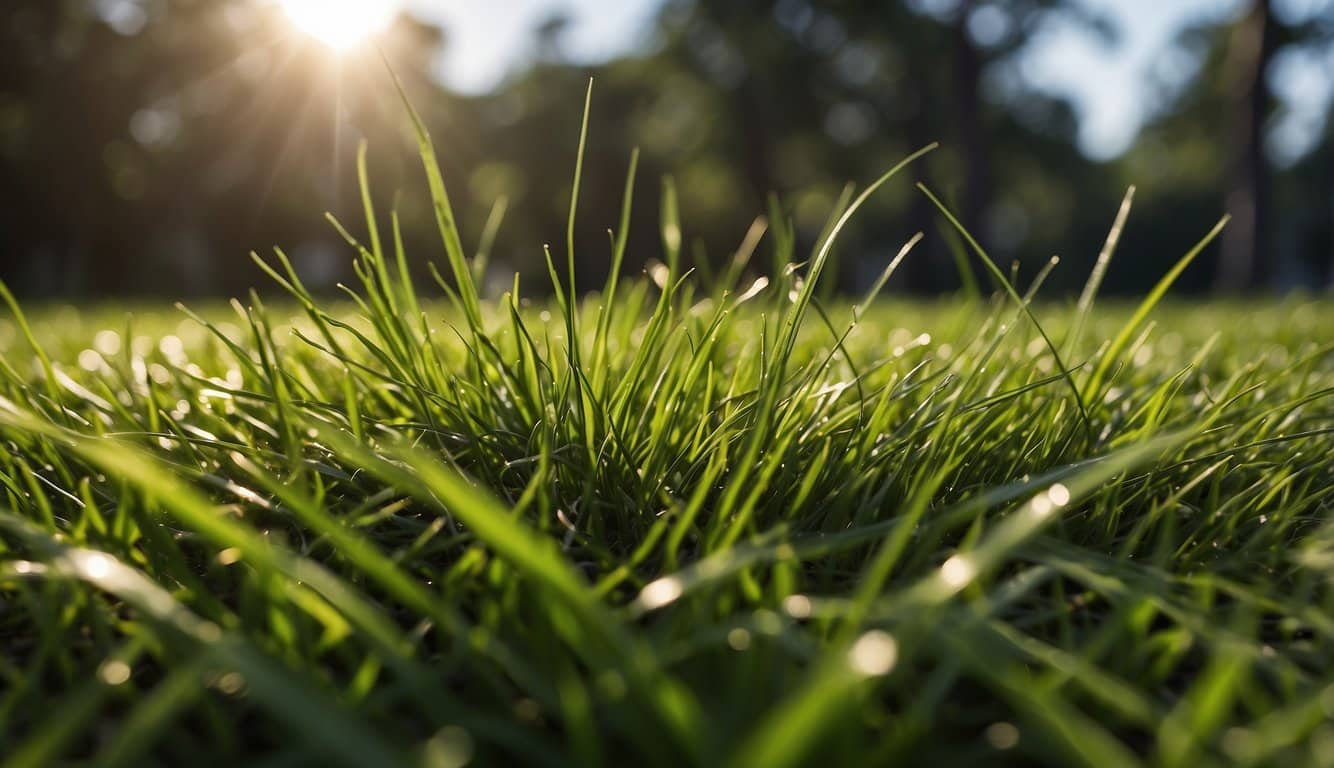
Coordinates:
[923,268]
[1243,263]
[971,137]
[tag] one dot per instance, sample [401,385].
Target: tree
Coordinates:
[741,99]
[1205,151]
[153,151]
[1250,51]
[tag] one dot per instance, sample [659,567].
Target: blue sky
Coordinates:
[487,37]
[1106,83]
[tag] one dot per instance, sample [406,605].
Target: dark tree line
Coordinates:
[150,157]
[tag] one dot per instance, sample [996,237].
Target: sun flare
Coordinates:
[340,24]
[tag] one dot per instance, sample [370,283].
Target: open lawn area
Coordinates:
[727,527]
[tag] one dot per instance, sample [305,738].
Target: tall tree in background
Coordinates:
[1242,262]
[748,97]
[1207,148]
[148,146]
[983,38]
[968,117]
[208,124]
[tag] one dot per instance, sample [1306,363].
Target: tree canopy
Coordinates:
[146,147]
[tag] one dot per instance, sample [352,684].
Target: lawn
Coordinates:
[736,523]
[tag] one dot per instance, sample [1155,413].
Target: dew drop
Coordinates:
[661,592]
[1002,735]
[873,654]
[958,571]
[114,672]
[797,606]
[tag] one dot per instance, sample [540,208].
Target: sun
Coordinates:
[340,24]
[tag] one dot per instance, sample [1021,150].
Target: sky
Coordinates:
[1107,84]
[488,37]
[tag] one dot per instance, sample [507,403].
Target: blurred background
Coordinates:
[146,146]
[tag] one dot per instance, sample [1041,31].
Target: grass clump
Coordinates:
[681,521]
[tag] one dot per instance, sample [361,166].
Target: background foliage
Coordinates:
[151,157]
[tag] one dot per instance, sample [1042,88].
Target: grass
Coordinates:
[685,520]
